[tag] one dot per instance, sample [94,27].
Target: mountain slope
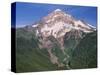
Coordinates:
[85,53]
[28,55]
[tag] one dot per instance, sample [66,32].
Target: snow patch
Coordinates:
[91,26]
[57,10]
[35,25]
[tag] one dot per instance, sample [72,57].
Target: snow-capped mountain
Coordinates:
[55,37]
[57,23]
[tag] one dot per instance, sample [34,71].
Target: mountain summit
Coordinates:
[58,10]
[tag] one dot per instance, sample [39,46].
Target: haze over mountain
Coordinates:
[56,42]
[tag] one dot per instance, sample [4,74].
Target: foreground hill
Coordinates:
[29,57]
[85,53]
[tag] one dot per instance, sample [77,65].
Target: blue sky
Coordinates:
[28,13]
